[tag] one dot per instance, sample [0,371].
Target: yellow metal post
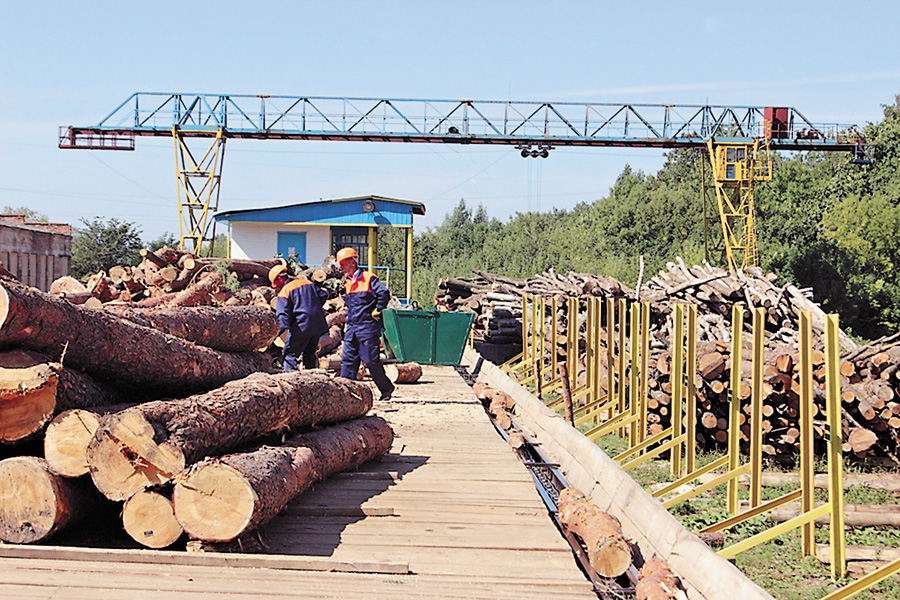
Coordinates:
[542,311]
[734,405]
[554,332]
[372,254]
[645,368]
[756,429]
[835,457]
[610,349]
[572,344]
[623,351]
[596,334]
[633,381]
[409,262]
[807,471]
[690,449]
[535,345]
[589,348]
[677,386]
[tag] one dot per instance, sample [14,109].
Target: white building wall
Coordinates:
[259,241]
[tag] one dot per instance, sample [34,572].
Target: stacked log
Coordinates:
[609,553]
[220,499]
[870,383]
[136,452]
[149,444]
[94,437]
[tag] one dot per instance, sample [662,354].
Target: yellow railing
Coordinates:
[622,406]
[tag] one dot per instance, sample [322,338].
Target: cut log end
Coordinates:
[33,502]
[124,458]
[28,390]
[213,502]
[66,441]
[149,518]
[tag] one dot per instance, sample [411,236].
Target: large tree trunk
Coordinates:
[219,499]
[33,390]
[149,518]
[608,551]
[150,443]
[225,328]
[35,503]
[107,345]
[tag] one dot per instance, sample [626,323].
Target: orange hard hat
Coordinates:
[275,272]
[345,253]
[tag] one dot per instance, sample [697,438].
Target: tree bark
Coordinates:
[656,581]
[149,518]
[112,347]
[225,328]
[219,499]
[608,551]
[35,503]
[150,443]
[403,372]
[33,389]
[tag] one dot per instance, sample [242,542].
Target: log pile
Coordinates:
[125,400]
[140,456]
[870,382]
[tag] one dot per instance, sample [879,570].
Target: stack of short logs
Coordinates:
[870,384]
[157,410]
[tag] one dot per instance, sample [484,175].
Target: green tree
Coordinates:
[29,214]
[167,238]
[100,245]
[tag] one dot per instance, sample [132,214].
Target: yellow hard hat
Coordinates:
[345,253]
[275,272]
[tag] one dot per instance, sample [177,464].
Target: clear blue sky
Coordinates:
[71,63]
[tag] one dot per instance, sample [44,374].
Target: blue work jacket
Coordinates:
[364,292]
[299,308]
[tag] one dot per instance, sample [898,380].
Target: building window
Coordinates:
[351,237]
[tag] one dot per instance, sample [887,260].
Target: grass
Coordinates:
[777,565]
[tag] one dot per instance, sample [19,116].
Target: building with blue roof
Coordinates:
[311,231]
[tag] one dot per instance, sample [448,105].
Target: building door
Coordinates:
[291,243]
[352,237]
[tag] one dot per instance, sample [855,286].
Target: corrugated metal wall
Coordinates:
[36,253]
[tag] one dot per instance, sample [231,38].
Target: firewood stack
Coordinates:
[870,381]
[140,396]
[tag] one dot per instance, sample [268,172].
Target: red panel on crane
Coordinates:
[777,126]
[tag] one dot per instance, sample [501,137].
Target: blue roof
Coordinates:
[340,211]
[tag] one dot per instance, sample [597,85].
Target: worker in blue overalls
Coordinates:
[365,298]
[298,308]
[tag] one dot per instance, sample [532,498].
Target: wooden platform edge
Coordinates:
[203,559]
[655,531]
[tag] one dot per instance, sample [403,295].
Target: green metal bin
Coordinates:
[428,337]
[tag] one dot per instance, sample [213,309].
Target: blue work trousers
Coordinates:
[300,345]
[364,347]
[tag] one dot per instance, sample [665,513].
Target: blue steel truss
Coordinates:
[526,124]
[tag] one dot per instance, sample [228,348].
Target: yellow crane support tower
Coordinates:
[198,187]
[736,167]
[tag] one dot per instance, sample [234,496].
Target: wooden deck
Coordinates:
[450,512]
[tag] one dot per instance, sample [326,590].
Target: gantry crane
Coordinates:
[738,139]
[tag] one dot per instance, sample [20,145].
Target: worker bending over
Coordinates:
[299,311]
[365,298]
